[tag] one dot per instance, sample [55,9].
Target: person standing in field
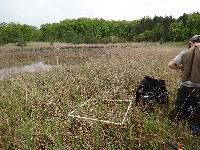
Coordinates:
[187,104]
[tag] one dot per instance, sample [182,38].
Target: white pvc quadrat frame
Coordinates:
[99,120]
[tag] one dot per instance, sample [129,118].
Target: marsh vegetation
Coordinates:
[34,106]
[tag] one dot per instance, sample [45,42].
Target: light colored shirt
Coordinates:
[178,60]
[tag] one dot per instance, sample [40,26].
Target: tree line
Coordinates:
[86,30]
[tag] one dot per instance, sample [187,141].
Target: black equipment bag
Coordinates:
[152,90]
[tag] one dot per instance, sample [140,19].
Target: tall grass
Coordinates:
[34,106]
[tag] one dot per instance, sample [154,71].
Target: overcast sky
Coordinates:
[37,12]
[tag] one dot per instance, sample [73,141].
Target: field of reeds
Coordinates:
[34,106]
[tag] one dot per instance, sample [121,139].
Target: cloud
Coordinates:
[37,12]
[53,9]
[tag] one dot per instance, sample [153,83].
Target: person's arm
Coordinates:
[172,65]
[176,62]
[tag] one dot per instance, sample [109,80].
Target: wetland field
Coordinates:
[40,84]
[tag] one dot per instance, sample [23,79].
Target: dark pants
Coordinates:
[187,105]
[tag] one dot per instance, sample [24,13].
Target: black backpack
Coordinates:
[152,90]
